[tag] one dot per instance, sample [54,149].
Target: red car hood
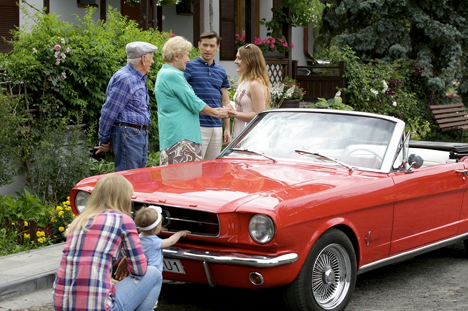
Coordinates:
[223,185]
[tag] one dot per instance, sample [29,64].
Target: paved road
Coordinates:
[434,281]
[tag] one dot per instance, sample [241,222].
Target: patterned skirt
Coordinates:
[182,151]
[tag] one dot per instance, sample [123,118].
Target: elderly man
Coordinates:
[125,115]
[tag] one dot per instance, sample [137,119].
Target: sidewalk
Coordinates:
[27,272]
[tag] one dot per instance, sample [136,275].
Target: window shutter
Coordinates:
[227,31]
[8,22]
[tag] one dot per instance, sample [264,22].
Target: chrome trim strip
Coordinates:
[412,253]
[194,221]
[231,258]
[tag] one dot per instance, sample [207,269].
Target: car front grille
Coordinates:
[179,218]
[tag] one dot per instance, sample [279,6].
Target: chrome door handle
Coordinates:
[463,171]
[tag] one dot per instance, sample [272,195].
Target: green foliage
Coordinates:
[98,167]
[12,118]
[60,217]
[432,32]
[301,14]
[398,89]
[58,162]
[9,243]
[333,103]
[153,159]
[67,67]
[24,206]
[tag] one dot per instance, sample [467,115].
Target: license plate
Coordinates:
[173,266]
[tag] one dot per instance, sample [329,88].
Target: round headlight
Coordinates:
[261,228]
[80,200]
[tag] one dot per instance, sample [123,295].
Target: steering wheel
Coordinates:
[375,154]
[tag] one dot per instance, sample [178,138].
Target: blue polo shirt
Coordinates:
[207,82]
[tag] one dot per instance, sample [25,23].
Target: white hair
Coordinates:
[136,61]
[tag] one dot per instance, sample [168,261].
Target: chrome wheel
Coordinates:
[331,276]
[327,278]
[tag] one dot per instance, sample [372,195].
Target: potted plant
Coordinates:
[301,14]
[286,94]
[271,47]
[332,103]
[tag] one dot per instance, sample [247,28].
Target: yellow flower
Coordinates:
[59,208]
[61,229]
[61,213]
[66,223]
[40,240]
[68,208]
[25,223]
[26,236]
[53,219]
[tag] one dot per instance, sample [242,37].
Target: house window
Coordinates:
[10,16]
[237,16]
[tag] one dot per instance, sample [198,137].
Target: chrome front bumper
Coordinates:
[207,257]
[230,258]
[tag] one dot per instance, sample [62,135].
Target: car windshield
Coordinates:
[336,139]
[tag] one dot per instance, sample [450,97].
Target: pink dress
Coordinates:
[243,104]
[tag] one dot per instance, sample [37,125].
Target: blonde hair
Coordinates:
[175,46]
[112,191]
[253,58]
[145,217]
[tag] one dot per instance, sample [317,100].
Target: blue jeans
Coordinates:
[130,147]
[139,296]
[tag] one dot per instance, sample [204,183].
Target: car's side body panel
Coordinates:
[428,206]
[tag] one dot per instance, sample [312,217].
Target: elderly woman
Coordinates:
[178,107]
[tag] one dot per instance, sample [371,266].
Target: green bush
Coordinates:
[13,129]
[67,67]
[398,89]
[24,206]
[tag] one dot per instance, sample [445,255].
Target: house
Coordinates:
[188,19]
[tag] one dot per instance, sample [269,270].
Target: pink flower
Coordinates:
[281,40]
[57,62]
[237,35]
[68,49]
[258,41]
[34,50]
[285,44]
[57,47]
[63,41]
[63,55]
[64,75]
[173,35]
[293,46]
[272,40]
[272,46]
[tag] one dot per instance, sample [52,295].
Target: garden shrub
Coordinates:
[400,89]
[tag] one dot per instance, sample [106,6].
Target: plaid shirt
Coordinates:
[127,101]
[83,280]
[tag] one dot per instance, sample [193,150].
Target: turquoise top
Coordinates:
[178,108]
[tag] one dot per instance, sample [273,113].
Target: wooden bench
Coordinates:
[451,117]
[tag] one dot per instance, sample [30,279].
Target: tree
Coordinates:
[432,32]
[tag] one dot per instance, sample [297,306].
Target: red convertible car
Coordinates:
[306,199]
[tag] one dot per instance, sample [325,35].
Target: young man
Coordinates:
[210,82]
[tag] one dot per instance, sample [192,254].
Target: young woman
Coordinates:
[253,91]
[102,236]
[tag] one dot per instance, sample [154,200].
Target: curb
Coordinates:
[26,286]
